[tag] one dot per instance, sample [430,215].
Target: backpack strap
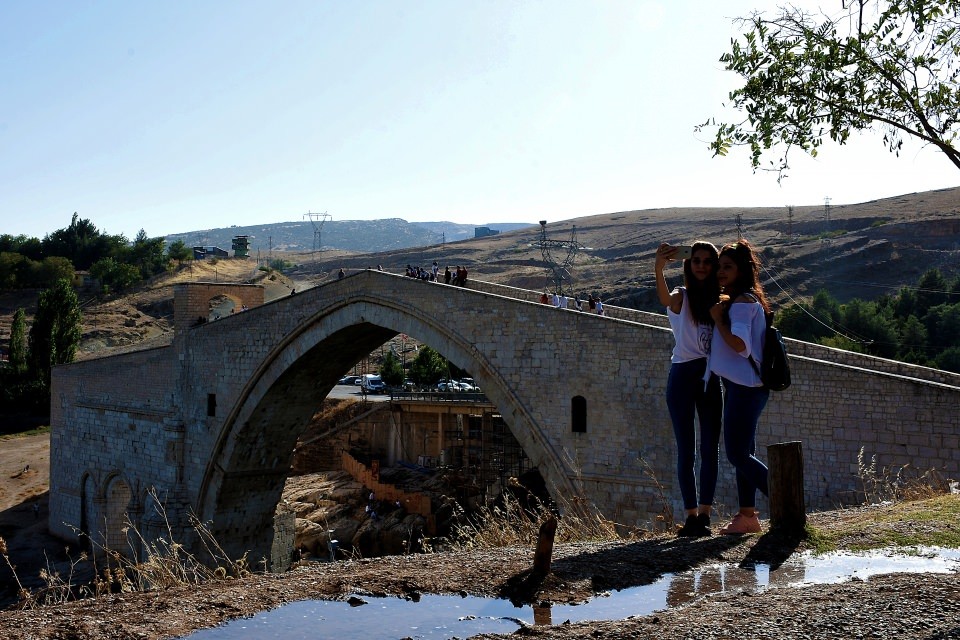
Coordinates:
[768,318]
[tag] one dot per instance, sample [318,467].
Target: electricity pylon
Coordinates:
[558,270]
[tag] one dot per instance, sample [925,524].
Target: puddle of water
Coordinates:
[445,617]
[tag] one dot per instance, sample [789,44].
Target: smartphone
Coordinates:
[683,253]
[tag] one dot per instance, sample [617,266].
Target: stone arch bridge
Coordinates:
[207,425]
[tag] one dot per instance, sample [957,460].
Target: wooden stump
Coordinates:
[544,553]
[787,508]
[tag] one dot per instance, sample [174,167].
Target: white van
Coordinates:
[373,384]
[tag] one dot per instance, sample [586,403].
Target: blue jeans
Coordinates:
[742,407]
[686,394]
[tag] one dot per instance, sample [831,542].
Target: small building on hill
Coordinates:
[203,253]
[483,232]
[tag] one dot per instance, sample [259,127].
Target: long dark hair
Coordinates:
[701,295]
[748,272]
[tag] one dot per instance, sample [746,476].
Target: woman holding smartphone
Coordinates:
[740,325]
[691,388]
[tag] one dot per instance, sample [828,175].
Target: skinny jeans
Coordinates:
[685,396]
[742,407]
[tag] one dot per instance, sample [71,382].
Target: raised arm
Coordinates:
[674,299]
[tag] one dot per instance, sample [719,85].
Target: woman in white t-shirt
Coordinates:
[739,328]
[691,388]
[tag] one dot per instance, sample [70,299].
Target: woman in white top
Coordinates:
[690,386]
[739,328]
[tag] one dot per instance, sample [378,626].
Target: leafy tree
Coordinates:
[864,319]
[949,360]
[913,339]
[54,268]
[932,289]
[82,243]
[943,326]
[25,246]
[391,371]
[18,342]
[115,275]
[147,255]
[890,65]
[14,268]
[55,334]
[905,304]
[179,251]
[428,367]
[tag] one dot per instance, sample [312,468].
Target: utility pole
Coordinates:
[826,211]
[739,226]
[559,271]
[789,220]
[317,220]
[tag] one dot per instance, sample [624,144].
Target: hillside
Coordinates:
[358,236]
[863,250]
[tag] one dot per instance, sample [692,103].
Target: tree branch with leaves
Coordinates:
[886,66]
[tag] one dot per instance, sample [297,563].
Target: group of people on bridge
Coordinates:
[458,278]
[594,304]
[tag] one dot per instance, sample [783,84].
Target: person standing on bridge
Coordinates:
[691,387]
[740,325]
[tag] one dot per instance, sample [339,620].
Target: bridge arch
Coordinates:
[213,419]
[250,461]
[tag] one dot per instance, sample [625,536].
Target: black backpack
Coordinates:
[774,370]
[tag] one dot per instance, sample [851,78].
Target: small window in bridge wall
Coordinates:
[211,404]
[578,414]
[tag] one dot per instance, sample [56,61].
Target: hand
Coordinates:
[665,254]
[718,311]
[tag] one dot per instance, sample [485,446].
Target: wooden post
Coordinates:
[544,553]
[787,508]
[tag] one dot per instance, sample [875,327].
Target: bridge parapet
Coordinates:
[191,300]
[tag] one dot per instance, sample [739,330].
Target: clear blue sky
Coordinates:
[178,116]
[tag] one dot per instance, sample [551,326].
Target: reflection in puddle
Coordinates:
[443,617]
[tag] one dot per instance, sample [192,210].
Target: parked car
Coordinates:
[349,380]
[467,386]
[373,384]
[448,385]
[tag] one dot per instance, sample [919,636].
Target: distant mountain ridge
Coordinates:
[362,236]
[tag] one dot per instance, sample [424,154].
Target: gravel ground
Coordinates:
[892,606]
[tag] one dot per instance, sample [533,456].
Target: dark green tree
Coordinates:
[932,289]
[18,342]
[14,270]
[55,334]
[428,367]
[52,269]
[943,326]
[863,320]
[890,65]
[82,243]
[115,276]
[178,251]
[913,340]
[949,360]
[391,371]
[147,255]
[25,246]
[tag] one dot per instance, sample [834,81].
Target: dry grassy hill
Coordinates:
[862,250]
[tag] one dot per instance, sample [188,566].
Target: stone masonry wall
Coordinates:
[243,389]
[111,417]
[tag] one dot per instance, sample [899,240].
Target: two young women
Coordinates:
[718,321]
